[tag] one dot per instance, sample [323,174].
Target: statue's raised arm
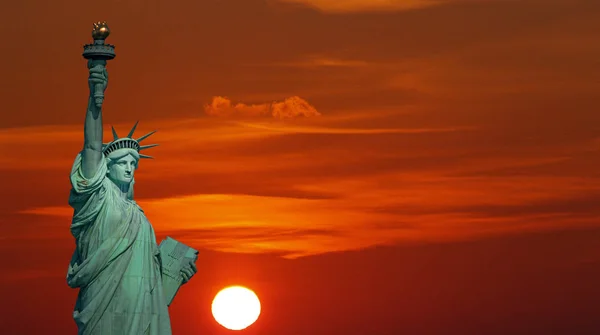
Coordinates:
[97,54]
[91,156]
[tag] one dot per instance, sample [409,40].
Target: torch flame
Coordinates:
[100,31]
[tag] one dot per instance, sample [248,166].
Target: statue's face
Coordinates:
[123,169]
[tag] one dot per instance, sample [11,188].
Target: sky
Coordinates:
[374,167]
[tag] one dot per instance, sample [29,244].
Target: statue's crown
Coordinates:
[127,142]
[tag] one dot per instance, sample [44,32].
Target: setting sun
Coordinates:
[236,307]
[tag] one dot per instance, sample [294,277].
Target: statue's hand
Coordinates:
[98,75]
[188,272]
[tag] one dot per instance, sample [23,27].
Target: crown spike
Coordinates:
[132,129]
[142,147]
[116,137]
[145,136]
[127,142]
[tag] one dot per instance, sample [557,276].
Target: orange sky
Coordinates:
[297,136]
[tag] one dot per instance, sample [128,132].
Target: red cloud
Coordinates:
[289,108]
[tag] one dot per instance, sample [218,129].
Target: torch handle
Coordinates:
[98,95]
[99,65]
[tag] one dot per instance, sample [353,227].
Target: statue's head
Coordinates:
[122,164]
[122,157]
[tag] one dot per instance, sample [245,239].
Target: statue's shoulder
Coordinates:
[135,204]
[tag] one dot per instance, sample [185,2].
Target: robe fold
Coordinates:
[116,262]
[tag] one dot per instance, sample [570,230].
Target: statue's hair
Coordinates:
[114,156]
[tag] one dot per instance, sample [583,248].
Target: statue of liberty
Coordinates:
[116,264]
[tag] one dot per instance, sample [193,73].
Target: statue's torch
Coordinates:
[97,54]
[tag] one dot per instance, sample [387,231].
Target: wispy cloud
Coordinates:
[336,6]
[381,209]
[322,130]
[303,186]
[289,108]
[315,61]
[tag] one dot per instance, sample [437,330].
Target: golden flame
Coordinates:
[100,31]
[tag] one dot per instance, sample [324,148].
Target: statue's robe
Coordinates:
[116,263]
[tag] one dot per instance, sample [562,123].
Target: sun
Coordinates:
[236,307]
